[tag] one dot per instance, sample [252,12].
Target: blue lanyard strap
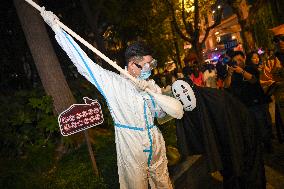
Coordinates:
[129,127]
[150,150]
[154,105]
[132,127]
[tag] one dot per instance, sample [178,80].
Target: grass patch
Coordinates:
[39,170]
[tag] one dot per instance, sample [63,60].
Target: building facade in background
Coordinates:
[227,35]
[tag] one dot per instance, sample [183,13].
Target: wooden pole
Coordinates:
[91,152]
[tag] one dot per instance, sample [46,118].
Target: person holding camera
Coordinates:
[236,73]
[243,82]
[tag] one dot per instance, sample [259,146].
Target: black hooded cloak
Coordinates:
[221,129]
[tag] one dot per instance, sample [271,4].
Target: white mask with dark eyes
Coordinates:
[184,93]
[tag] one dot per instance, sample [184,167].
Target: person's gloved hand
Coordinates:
[141,84]
[49,17]
[154,87]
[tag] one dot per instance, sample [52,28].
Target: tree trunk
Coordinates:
[200,57]
[44,57]
[178,60]
[241,9]
[47,64]
[197,48]
[247,36]
[179,64]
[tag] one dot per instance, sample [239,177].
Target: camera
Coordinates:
[232,63]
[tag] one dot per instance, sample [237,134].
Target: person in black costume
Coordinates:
[219,126]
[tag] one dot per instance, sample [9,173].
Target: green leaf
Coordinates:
[48,123]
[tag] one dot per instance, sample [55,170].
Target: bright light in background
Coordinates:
[233,37]
[216,49]
[260,51]
[219,6]
[216,33]
[213,11]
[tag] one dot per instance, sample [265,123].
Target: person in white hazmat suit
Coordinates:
[141,152]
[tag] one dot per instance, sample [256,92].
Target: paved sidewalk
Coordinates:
[274,166]
[192,173]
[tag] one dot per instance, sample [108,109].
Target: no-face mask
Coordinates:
[184,93]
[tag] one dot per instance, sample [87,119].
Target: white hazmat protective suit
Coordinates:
[141,153]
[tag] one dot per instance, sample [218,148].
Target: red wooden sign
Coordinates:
[79,117]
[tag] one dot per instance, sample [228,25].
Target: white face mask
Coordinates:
[184,93]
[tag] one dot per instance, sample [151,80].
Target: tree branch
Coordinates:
[216,23]
[196,32]
[196,15]
[174,22]
[179,32]
[255,6]
[187,25]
